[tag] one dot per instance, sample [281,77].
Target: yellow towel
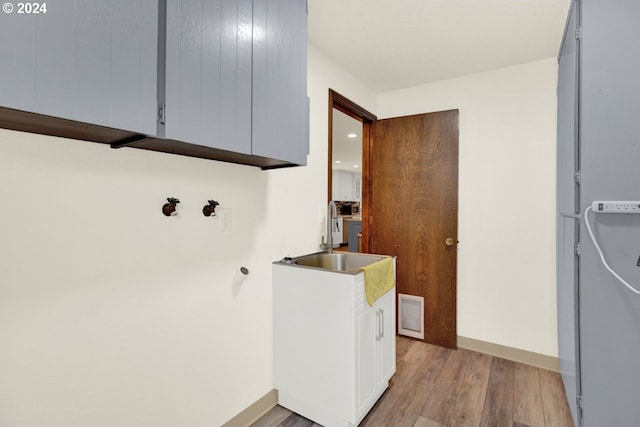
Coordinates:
[379,277]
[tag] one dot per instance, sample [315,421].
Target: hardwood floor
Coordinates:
[438,387]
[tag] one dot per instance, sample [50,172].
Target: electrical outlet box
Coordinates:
[619,206]
[225,219]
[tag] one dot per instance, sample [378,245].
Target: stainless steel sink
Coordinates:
[337,261]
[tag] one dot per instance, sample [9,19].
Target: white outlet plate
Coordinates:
[225,219]
[616,206]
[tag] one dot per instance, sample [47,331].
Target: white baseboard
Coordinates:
[254,411]
[522,356]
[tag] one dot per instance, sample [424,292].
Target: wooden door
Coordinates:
[414,210]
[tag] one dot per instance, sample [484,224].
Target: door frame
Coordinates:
[368,119]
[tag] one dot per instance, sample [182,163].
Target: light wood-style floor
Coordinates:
[438,387]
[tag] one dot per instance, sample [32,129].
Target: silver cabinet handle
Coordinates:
[377,325]
[381,323]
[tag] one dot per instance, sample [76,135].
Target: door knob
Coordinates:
[448,241]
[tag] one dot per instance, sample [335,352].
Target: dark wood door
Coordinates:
[414,211]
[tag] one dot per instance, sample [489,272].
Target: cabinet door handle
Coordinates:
[377,325]
[381,323]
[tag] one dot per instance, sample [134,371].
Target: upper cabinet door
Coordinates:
[92,61]
[225,78]
[280,103]
[208,73]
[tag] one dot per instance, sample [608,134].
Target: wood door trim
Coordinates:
[350,108]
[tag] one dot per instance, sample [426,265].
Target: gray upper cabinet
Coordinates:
[216,79]
[91,61]
[280,103]
[236,77]
[208,73]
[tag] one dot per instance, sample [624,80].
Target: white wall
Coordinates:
[506,223]
[287,184]
[112,314]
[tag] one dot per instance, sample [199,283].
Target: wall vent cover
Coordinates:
[411,315]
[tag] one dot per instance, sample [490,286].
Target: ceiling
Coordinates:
[393,44]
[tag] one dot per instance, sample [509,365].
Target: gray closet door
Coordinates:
[568,78]
[280,103]
[567,208]
[568,310]
[93,61]
[208,73]
[610,155]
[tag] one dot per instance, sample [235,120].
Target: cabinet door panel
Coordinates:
[280,104]
[55,61]
[91,61]
[237,36]
[387,362]
[366,330]
[184,66]
[568,309]
[208,73]
[134,66]
[18,64]
[343,185]
[567,161]
[116,64]
[357,187]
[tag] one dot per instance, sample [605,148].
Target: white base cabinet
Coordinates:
[333,353]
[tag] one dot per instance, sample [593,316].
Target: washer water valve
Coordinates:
[169,209]
[210,209]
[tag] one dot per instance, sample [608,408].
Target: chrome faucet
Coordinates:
[332,213]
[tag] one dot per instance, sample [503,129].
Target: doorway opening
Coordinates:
[352,177]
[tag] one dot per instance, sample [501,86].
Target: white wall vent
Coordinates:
[411,315]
